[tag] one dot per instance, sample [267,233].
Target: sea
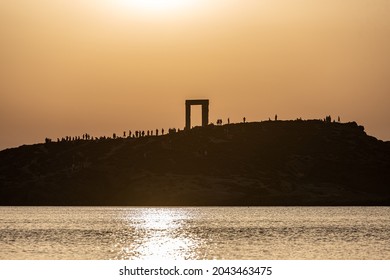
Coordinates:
[194,233]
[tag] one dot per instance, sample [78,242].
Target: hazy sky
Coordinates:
[68,67]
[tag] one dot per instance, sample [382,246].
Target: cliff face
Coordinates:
[264,163]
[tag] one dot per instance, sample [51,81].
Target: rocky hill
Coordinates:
[261,163]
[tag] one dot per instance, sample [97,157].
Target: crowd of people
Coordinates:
[126,134]
[143,133]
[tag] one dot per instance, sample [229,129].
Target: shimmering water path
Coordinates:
[195,233]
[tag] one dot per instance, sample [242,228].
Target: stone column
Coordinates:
[205,113]
[188,115]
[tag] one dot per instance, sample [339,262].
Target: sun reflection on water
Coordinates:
[160,235]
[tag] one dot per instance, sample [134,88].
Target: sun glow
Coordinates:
[160,7]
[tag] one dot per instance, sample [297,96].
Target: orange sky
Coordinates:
[104,66]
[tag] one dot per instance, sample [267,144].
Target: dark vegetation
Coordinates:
[261,163]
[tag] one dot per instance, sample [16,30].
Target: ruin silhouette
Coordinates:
[205,111]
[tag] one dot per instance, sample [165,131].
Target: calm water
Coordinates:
[195,233]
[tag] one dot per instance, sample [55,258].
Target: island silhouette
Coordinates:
[266,163]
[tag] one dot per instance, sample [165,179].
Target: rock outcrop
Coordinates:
[261,163]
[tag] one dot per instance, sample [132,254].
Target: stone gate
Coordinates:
[205,111]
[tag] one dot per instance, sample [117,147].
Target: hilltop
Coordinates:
[261,163]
